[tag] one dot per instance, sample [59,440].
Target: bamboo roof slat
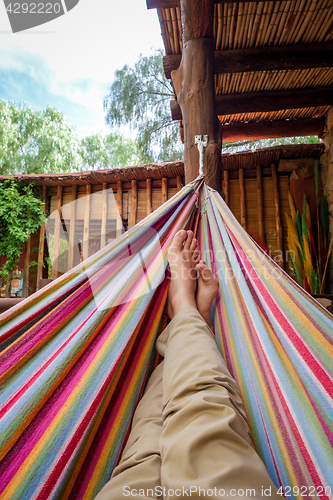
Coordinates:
[263,24]
[229,20]
[296,17]
[224,27]
[218,17]
[256,23]
[176,36]
[233,25]
[306,16]
[326,25]
[164,34]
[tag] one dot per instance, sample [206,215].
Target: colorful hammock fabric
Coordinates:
[75,358]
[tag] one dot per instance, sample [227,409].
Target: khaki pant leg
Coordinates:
[140,464]
[205,442]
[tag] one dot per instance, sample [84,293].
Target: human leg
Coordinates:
[140,464]
[206,441]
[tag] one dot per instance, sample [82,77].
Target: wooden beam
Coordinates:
[26,272]
[119,199]
[56,238]
[226,186]
[164,189]
[149,197]
[104,214]
[242,198]
[170,4]
[269,130]
[179,182]
[307,165]
[263,102]
[279,242]
[260,205]
[294,57]
[86,222]
[134,203]
[194,87]
[41,242]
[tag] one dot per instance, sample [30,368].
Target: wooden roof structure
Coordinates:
[247,160]
[273,63]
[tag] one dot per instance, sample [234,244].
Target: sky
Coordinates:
[69,62]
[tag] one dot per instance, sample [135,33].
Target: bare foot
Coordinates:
[183,256]
[207,289]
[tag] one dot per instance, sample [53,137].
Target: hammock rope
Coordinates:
[75,357]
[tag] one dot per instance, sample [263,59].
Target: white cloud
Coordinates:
[75,56]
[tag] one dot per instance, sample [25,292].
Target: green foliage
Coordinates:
[140,97]
[21,214]
[42,142]
[35,142]
[108,151]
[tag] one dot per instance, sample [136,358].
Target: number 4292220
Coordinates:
[34,8]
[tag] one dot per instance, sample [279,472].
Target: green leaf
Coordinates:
[297,271]
[21,214]
[140,97]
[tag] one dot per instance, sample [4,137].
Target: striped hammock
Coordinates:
[75,358]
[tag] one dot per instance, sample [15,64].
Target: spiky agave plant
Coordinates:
[308,248]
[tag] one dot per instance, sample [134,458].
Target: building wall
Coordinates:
[161,190]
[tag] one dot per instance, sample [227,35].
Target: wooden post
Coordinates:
[25,288]
[119,227]
[148,197]
[9,285]
[260,204]
[56,238]
[277,215]
[104,214]
[134,204]
[164,189]
[71,243]
[41,242]
[242,197]
[179,182]
[193,82]
[86,223]
[226,187]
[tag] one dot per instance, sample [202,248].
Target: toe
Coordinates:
[205,273]
[178,241]
[201,265]
[196,256]
[194,244]
[187,244]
